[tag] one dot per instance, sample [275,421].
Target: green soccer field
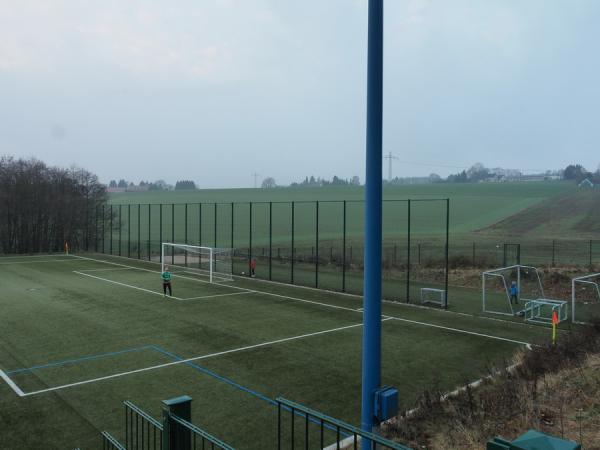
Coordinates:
[81,334]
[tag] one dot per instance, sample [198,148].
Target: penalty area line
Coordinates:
[188,360]
[12,384]
[123,284]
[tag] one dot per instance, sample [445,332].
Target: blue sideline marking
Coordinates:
[241,387]
[162,351]
[78,360]
[215,375]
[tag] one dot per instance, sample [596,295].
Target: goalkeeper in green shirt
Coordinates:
[166,279]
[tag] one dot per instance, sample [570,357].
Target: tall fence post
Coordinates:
[447,255]
[200,224]
[474,255]
[185,225]
[553,252]
[250,242]
[120,228]
[292,249]
[344,248]
[172,232]
[96,232]
[129,230]
[111,230]
[160,229]
[408,255]
[270,238]
[215,222]
[149,231]
[317,244]
[103,228]
[139,230]
[232,227]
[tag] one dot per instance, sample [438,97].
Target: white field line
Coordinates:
[51,255]
[359,310]
[84,273]
[124,284]
[196,358]
[12,384]
[36,261]
[214,296]
[106,270]
[458,330]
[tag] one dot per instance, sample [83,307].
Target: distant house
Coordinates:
[587,183]
[115,189]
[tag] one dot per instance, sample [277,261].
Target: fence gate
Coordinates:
[511,255]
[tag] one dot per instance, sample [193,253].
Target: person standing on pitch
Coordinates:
[253,267]
[166,279]
[514,293]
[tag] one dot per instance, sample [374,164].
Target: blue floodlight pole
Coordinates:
[371,369]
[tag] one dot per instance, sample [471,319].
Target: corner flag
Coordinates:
[555,322]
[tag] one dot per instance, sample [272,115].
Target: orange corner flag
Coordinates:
[555,320]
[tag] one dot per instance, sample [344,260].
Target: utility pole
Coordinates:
[390,157]
[256,175]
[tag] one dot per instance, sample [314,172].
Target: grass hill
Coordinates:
[474,206]
[574,214]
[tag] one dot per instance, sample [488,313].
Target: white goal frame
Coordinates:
[582,280]
[209,252]
[443,299]
[497,273]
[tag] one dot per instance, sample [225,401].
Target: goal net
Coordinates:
[431,296]
[585,298]
[496,287]
[209,262]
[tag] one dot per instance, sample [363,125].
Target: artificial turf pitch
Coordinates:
[81,334]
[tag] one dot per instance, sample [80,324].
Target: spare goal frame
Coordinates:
[586,281]
[498,273]
[443,298]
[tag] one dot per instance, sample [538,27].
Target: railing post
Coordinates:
[177,437]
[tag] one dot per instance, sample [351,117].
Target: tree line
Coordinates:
[43,207]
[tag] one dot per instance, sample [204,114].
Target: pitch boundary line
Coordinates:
[356,310]
[37,261]
[174,363]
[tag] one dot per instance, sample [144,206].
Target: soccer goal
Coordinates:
[585,298]
[213,263]
[436,297]
[496,285]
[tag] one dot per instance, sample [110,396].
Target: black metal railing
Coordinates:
[328,429]
[110,443]
[141,430]
[189,436]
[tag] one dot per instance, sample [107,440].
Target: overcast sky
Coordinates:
[215,90]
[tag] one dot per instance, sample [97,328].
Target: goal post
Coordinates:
[213,263]
[432,296]
[496,298]
[585,297]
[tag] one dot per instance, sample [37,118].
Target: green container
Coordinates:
[533,440]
